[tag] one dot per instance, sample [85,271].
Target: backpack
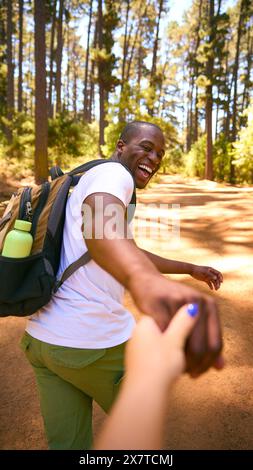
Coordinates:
[27,284]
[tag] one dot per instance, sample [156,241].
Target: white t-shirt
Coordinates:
[87,311]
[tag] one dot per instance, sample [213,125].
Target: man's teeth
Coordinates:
[144,167]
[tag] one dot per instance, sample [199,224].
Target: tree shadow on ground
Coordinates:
[219,224]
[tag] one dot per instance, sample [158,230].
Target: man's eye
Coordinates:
[147,149]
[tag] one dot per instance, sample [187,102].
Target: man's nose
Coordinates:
[154,157]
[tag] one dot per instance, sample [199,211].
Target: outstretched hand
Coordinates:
[211,276]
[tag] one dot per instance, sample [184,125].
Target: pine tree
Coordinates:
[41,127]
[10,71]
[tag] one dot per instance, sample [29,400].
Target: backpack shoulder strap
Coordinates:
[76,173]
[87,166]
[55,172]
[84,259]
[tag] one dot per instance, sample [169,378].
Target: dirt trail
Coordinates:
[215,411]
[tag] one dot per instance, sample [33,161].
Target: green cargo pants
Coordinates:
[68,380]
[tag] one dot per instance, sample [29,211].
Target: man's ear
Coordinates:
[120,146]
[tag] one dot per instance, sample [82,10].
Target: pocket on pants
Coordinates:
[25,342]
[73,358]
[30,348]
[117,385]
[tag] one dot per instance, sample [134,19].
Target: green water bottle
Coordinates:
[18,242]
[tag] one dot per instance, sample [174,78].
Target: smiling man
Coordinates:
[76,343]
[140,148]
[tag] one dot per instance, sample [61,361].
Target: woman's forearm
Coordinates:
[136,420]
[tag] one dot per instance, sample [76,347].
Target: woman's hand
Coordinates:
[160,355]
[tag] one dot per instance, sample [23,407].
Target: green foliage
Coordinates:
[22,128]
[69,139]
[3,84]
[112,133]
[17,159]
[126,103]
[243,150]
[104,57]
[221,158]
[172,161]
[194,161]
[70,143]
[3,60]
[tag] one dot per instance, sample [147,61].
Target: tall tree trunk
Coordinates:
[154,59]
[85,92]
[20,57]
[155,49]
[196,118]
[209,99]
[139,73]
[67,89]
[74,66]
[218,104]
[235,79]
[29,95]
[249,57]
[196,72]
[161,100]
[59,57]
[246,91]
[51,69]
[188,138]
[138,34]
[125,52]
[100,79]
[91,106]
[10,71]
[226,117]
[190,114]
[217,115]
[138,40]
[125,45]
[41,129]
[3,78]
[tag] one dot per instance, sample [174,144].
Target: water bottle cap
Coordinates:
[23,225]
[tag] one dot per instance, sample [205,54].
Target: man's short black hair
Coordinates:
[132,129]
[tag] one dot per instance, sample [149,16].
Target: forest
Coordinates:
[73,73]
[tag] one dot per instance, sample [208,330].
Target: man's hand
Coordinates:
[211,276]
[161,298]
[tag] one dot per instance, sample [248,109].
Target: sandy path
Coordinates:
[215,411]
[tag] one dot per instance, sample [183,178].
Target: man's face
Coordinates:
[143,154]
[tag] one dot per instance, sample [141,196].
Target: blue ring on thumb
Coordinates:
[193,309]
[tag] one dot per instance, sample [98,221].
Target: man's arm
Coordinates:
[202,273]
[168,266]
[153,294]
[118,255]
